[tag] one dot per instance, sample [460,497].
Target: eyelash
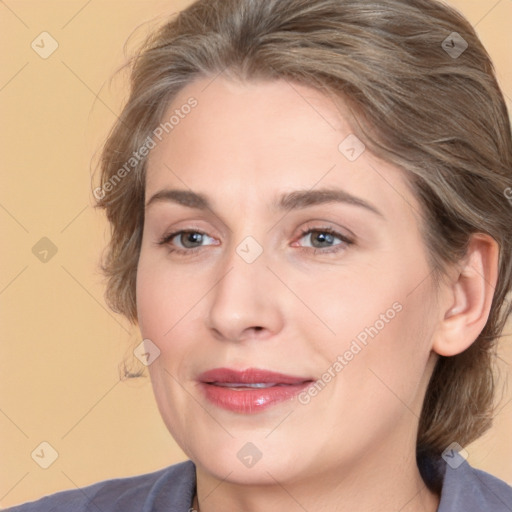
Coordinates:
[346,241]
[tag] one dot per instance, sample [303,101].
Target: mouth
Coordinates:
[250,391]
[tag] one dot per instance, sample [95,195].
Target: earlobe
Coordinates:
[468,298]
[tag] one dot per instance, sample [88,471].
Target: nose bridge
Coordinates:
[241,301]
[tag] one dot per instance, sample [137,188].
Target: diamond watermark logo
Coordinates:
[44,455]
[44,45]
[455,455]
[351,147]
[146,352]
[44,250]
[249,249]
[249,455]
[454,45]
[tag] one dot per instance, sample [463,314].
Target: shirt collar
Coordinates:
[461,487]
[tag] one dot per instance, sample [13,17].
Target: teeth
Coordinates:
[245,385]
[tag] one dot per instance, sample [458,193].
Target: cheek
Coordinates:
[390,371]
[361,305]
[380,320]
[170,308]
[165,310]
[164,296]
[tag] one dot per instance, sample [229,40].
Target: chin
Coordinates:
[233,471]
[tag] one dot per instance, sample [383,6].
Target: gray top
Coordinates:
[172,489]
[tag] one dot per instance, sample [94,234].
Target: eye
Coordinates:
[325,238]
[322,240]
[185,241]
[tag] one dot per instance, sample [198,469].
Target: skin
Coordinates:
[352,447]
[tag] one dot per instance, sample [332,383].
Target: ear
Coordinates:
[466,301]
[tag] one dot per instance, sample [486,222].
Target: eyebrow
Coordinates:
[295,200]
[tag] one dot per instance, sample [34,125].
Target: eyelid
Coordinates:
[168,236]
[328,227]
[345,240]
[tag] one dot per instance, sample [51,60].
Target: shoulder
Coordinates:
[170,488]
[467,489]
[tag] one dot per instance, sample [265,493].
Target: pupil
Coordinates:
[190,238]
[325,237]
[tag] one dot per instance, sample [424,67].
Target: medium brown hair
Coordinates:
[439,116]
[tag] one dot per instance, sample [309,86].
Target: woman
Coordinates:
[311,230]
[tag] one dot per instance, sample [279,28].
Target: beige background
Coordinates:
[61,345]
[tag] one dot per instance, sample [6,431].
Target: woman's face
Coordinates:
[302,256]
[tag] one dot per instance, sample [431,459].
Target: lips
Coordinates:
[249,391]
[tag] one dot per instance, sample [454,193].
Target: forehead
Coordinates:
[252,140]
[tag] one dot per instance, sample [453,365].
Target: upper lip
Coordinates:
[249,376]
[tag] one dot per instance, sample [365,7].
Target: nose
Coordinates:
[245,301]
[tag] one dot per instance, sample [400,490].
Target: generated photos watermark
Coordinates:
[356,346]
[143,151]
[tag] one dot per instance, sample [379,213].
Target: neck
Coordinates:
[368,487]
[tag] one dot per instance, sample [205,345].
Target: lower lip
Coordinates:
[250,400]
